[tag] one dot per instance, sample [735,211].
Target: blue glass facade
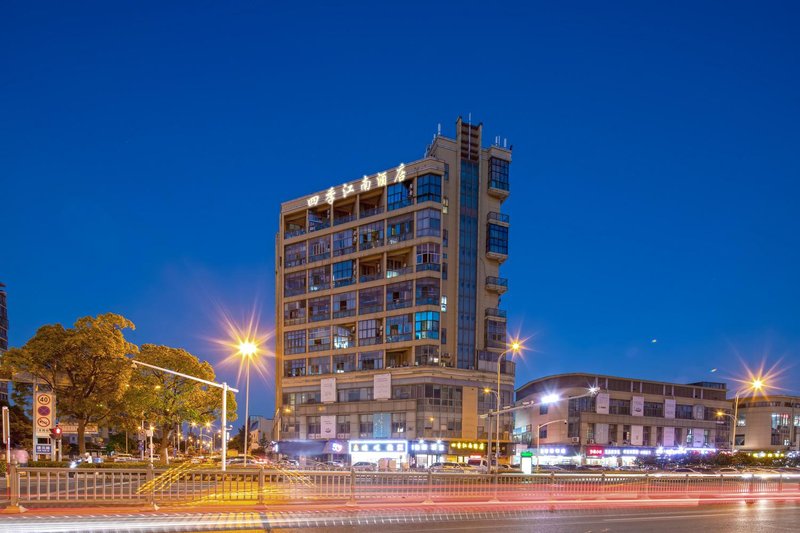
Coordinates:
[468,264]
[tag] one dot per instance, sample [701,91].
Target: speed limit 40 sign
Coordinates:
[44,413]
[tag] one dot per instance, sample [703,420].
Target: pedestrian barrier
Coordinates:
[195,484]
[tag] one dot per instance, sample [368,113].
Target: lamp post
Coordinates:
[248,350]
[514,348]
[538,429]
[756,385]
[487,390]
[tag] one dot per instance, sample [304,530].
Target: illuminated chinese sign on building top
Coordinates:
[343,191]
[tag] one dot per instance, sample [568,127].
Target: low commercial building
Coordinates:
[612,421]
[768,424]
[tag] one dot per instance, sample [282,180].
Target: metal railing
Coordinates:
[196,484]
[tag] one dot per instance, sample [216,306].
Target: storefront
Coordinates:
[615,456]
[556,454]
[426,452]
[391,453]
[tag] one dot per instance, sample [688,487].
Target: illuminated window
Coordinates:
[426,325]
[294,368]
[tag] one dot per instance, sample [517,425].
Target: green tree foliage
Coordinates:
[165,400]
[86,366]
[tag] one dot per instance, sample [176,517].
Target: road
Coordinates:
[755,517]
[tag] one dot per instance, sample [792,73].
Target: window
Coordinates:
[370,361]
[398,295]
[319,339]
[294,313]
[429,223]
[426,325]
[495,334]
[429,188]
[543,432]
[344,304]
[319,278]
[400,229]
[497,239]
[581,405]
[370,332]
[398,328]
[318,221]
[370,235]
[344,363]
[426,355]
[294,342]
[295,254]
[428,256]
[684,411]
[365,425]
[319,308]
[343,425]
[543,409]
[780,420]
[398,423]
[294,284]
[619,407]
[344,337]
[398,195]
[370,300]
[344,242]
[498,174]
[294,368]
[653,408]
[319,248]
[427,293]
[313,426]
[362,394]
[319,365]
[344,273]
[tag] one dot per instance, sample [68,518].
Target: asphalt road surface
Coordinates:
[756,517]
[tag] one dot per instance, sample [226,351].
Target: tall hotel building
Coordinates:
[389,323]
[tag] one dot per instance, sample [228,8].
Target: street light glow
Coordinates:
[550,398]
[248,348]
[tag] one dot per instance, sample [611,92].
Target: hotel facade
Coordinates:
[389,324]
[622,420]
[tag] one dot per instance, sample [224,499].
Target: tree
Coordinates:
[86,366]
[166,400]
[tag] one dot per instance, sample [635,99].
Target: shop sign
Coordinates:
[602,451]
[553,450]
[378,446]
[428,447]
[466,446]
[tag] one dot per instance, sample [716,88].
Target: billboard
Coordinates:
[382,386]
[637,435]
[601,403]
[669,437]
[328,426]
[601,433]
[698,437]
[699,412]
[327,390]
[669,409]
[637,406]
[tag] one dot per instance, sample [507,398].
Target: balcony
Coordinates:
[498,218]
[343,219]
[493,312]
[498,189]
[495,284]
[371,212]
[497,255]
[400,237]
[344,251]
[344,313]
[397,304]
[396,272]
[294,233]
[364,278]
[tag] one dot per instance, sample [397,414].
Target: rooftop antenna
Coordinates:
[439,129]
[505,142]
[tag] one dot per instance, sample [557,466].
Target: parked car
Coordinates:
[333,465]
[124,458]
[364,466]
[447,467]
[685,470]
[478,465]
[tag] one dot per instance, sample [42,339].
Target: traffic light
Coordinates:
[55,433]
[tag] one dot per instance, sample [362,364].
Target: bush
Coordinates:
[109,465]
[49,464]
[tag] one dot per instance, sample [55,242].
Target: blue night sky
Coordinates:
[145,147]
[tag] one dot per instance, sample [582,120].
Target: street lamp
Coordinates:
[247,350]
[515,348]
[756,385]
[538,429]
